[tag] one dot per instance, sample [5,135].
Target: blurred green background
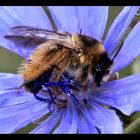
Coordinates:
[9,62]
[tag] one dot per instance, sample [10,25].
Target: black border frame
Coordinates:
[70,2]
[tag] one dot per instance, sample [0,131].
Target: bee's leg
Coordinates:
[37,86]
[20,88]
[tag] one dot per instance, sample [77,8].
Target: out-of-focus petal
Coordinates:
[8,81]
[47,126]
[92,20]
[18,16]
[124,94]
[130,49]
[118,27]
[105,120]
[17,116]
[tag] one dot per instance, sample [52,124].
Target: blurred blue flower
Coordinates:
[19,110]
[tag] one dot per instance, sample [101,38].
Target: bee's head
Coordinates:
[102,69]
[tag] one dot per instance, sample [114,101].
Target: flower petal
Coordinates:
[11,97]
[47,126]
[8,90]
[104,119]
[73,129]
[92,20]
[66,121]
[14,107]
[124,94]
[19,16]
[8,81]
[131,44]
[17,116]
[118,27]
[85,124]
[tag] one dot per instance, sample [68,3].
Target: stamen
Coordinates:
[64,85]
[46,101]
[49,106]
[51,101]
[52,98]
[67,90]
[71,95]
[41,99]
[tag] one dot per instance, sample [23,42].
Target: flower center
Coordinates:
[62,91]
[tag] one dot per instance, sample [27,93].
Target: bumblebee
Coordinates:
[57,53]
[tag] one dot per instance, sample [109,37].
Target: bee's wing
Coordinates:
[27,35]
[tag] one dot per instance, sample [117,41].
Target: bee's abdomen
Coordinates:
[35,85]
[40,61]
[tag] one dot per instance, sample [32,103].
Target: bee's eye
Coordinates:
[107,72]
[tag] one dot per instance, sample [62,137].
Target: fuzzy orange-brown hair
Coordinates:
[46,55]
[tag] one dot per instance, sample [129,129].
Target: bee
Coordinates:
[57,53]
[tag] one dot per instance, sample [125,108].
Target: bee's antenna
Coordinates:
[118,51]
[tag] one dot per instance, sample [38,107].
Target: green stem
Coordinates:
[133,128]
[50,18]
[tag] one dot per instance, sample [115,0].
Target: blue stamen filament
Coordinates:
[64,85]
[51,101]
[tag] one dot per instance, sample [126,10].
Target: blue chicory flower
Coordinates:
[19,110]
